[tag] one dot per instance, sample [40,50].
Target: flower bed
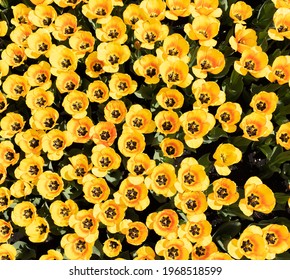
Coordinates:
[144,129]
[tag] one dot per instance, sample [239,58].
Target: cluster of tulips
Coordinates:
[104,106]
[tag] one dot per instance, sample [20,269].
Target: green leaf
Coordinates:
[205,161]
[114,177]
[277,220]
[216,133]
[281,198]
[266,150]
[279,159]
[240,142]
[24,252]
[72,191]
[226,232]
[265,14]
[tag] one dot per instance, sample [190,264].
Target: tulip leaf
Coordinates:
[277,220]
[279,159]
[216,133]
[226,232]
[114,177]
[24,252]
[72,191]
[265,14]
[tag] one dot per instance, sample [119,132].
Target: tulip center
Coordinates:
[64,211]
[188,178]
[247,246]
[238,16]
[205,64]
[27,213]
[40,101]
[82,131]
[113,244]
[33,170]
[80,172]
[131,194]
[165,221]
[18,89]
[22,20]
[113,59]
[137,122]
[280,74]
[173,77]
[101,12]
[131,145]
[133,20]
[3,257]
[222,193]
[105,161]
[41,78]
[77,105]
[161,180]
[261,105]
[172,51]
[42,47]
[87,223]
[167,125]
[173,252]
[251,130]
[150,37]
[282,28]
[4,230]
[250,65]
[97,67]
[80,245]
[200,251]
[150,71]
[3,201]
[133,232]
[16,126]
[57,143]
[47,21]
[68,30]
[98,93]
[170,150]
[113,34]
[122,86]
[110,213]
[70,85]
[204,33]
[253,200]
[271,238]
[96,192]
[49,122]
[169,102]
[139,169]
[193,127]
[9,156]
[17,58]
[71,1]
[2,104]
[33,143]
[194,230]
[115,114]
[284,137]
[66,63]
[191,204]
[204,98]
[84,45]
[42,229]
[105,135]
[225,117]
[53,185]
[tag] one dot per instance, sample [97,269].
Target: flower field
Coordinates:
[144,130]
